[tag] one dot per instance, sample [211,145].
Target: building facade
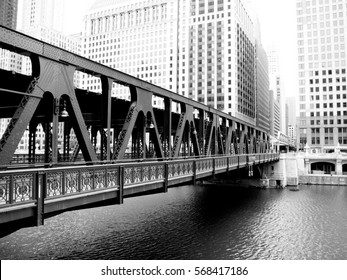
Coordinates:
[217,62]
[135,37]
[275,81]
[204,50]
[290,119]
[38,13]
[262,89]
[321,41]
[275,115]
[8,13]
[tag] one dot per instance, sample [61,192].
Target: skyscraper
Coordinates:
[290,120]
[43,20]
[8,13]
[42,13]
[262,90]
[275,118]
[217,55]
[137,37]
[204,50]
[276,84]
[321,40]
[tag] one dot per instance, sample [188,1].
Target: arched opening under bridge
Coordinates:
[322,168]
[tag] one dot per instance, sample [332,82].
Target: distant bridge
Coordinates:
[110,147]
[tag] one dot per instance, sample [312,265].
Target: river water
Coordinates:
[196,222]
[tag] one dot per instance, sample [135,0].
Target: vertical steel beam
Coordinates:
[66,151]
[167,127]
[55,130]
[228,140]
[201,131]
[32,141]
[106,110]
[142,129]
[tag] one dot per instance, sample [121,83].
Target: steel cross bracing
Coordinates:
[127,129]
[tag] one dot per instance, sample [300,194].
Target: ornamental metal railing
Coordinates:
[21,186]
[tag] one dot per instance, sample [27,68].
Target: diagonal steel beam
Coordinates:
[17,126]
[125,134]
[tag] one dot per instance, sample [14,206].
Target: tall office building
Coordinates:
[217,56]
[38,13]
[262,83]
[275,115]
[8,13]
[290,119]
[321,38]
[43,20]
[276,83]
[204,50]
[138,37]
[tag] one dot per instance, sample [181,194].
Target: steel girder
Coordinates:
[53,70]
[24,44]
[57,79]
[141,103]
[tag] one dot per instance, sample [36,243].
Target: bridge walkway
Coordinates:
[32,193]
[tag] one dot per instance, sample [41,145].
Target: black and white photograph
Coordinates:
[148,133]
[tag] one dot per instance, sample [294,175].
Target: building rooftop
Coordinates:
[98,4]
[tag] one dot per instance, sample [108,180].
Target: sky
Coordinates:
[277,20]
[278,23]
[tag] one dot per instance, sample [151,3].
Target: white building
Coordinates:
[292,134]
[217,56]
[38,13]
[276,81]
[275,115]
[204,50]
[321,42]
[136,37]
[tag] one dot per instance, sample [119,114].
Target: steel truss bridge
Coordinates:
[111,147]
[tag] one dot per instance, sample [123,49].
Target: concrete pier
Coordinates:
[297,169]
[282,173]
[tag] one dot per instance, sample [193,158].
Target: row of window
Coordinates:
[323,64]
[318,122]
[330,88]
[128,19]
[329,80]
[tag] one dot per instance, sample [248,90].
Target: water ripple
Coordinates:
[196,222]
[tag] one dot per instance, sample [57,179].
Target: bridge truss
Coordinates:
[125,129]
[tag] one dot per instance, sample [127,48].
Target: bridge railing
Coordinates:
[22,186]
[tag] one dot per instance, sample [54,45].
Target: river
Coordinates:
[196,222]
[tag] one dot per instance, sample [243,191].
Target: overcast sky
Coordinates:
[278,24]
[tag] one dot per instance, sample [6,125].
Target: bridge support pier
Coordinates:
[282,173]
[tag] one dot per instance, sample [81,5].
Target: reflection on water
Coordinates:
[196,222]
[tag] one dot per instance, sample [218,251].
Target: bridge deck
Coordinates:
[33,192]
